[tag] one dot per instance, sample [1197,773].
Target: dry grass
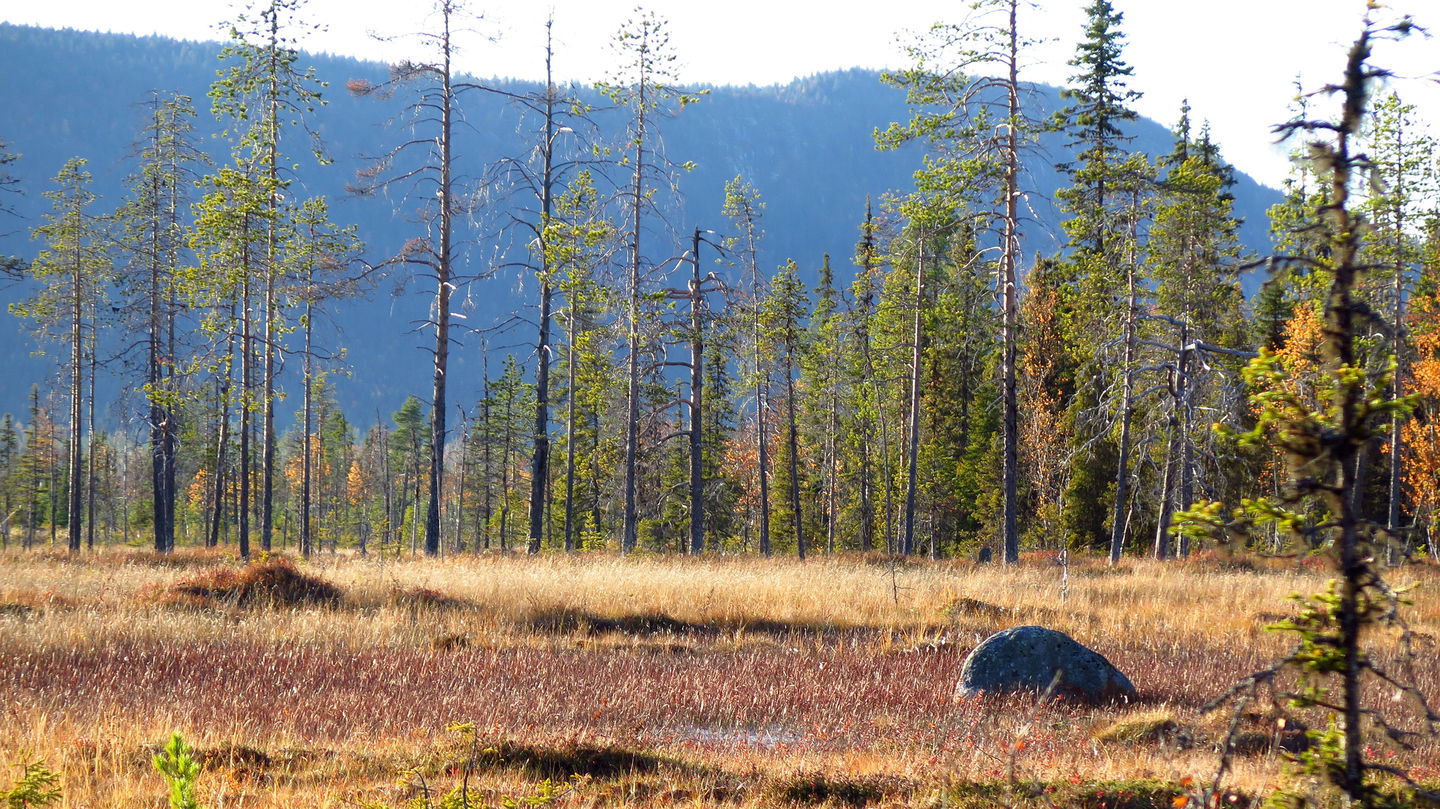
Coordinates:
[732,681]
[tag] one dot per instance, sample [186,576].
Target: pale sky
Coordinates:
[1235,60]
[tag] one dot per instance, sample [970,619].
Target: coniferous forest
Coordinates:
[957,374]
[1070,372]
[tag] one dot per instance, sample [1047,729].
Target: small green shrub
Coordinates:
[180,770]
[38,786]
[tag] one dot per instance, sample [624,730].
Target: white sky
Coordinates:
[1236,60]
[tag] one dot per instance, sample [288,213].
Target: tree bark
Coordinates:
[1009,260]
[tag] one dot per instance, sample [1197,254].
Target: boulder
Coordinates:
[1027,658]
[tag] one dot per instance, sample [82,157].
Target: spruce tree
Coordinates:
[782,322]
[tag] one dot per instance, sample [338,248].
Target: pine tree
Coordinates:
[153,234]
[963,73]
[427,176]
[745,208]
[72,271]
[576,238]
[228,235]
[317,256]
[645,87]
[263,91]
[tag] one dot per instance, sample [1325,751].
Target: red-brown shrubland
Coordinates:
[735,681]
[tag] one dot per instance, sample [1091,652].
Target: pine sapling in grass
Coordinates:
[1321,435]
[180,770]
[38,786]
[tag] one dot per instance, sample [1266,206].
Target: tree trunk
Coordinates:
[1127,391]
[571,329]
[1009,260]
[460,484]
[697,404]
[306,472]
[442,304]
[247,351]
[90,451]
[77,394]
[794,447]
[540,455]
[632,399]
[907,545]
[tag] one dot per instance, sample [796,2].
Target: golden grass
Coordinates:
[746,679]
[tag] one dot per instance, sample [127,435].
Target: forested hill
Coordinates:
[806,146]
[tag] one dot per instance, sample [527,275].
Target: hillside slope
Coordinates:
[806,146]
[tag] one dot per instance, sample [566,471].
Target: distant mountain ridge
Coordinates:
[806,146]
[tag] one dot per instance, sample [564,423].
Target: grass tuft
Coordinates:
[1142,793]
[560,763]
[428,599]
[234,757]
[1148,728]
[273,582]
[819,788]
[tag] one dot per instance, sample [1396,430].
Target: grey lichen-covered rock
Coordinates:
[1027,658]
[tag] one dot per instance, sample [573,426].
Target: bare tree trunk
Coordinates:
[309,395]
[1009,260]
[794,447]
[1127,407]
[632,399]
[388,485]
[1187,427]
[443,285]
[571,327]
[247,352]
[540,455]
[832,471]
[1167,490]
[90,452]
[222,439]
[697,403]
[460,484]
[907,544]
[489,477]
[77,394]
[1397,547]
[762,403]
